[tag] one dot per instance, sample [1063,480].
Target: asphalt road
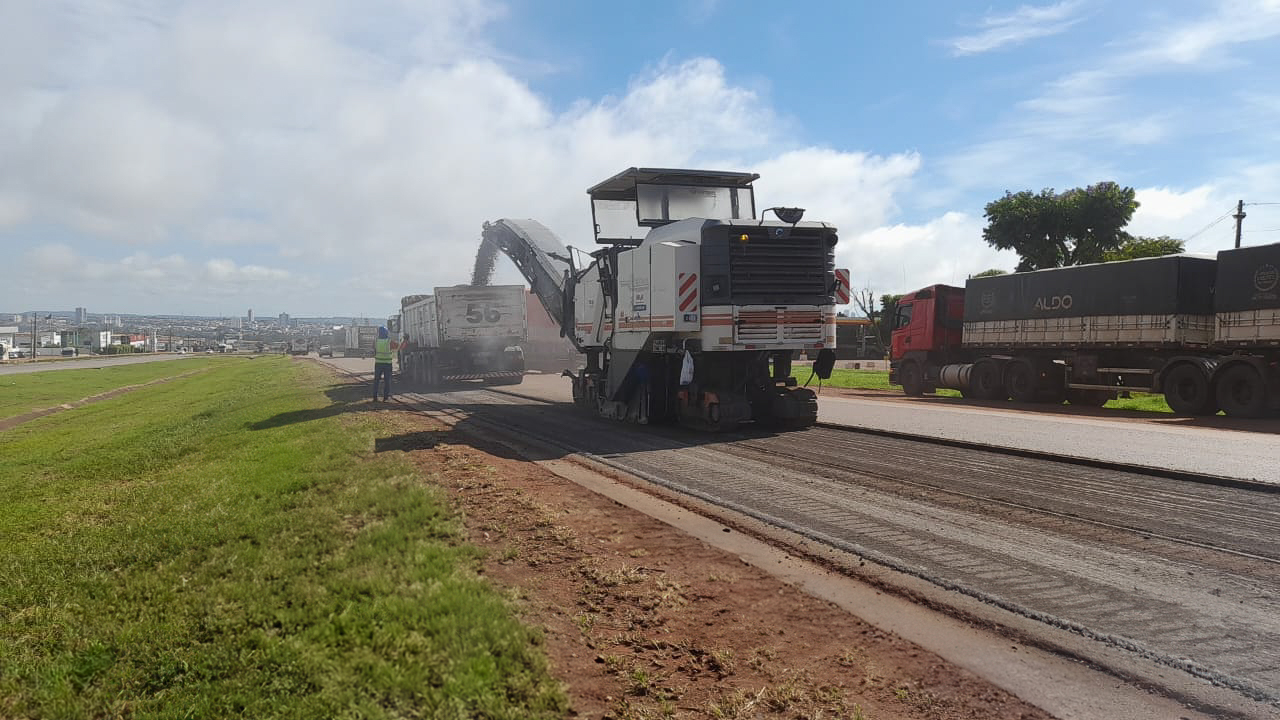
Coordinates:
[17,367]
[1166,443]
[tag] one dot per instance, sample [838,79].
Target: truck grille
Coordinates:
[765,268]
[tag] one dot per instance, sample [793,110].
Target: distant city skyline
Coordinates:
[201,158]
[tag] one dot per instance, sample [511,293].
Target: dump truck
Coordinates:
[465,332]
[358,340]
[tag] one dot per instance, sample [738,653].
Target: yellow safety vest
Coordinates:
[382,350]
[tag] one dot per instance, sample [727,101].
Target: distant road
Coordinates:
[14,367]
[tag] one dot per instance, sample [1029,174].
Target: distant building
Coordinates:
[250,316]
[7,335]
[82,316]
[284,318]
[236,322]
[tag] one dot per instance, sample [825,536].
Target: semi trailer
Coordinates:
[691,307]
[299,346]
[1202,331]
[466,332]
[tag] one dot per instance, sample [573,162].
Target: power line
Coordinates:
[1265,203]
[1262,231]
[1206,228]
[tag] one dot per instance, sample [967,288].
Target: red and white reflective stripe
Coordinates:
[842,287]
[688,294]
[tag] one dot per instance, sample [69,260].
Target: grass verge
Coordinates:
[879,380]
[230,545]
[23,392]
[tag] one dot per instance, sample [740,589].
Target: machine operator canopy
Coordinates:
[627,205]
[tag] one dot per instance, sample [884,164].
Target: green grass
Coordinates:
[879,380]
[23,392]
[231,545]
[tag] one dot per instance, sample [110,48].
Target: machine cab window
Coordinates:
[626,206]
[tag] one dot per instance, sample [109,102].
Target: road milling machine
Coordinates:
[691,308]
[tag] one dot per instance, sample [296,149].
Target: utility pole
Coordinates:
[1239,216]
[34,318]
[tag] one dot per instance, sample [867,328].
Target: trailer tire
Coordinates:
[1020,382]
[1188,392]
[1242,392]
[986,381]
[912,377]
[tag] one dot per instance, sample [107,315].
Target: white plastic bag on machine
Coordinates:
[686,369]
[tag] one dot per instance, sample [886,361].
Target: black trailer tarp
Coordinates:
[1249,278]
[1173,284]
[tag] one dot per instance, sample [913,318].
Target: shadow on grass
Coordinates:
[408,442]
[343,398]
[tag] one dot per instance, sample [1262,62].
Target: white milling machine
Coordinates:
[693,308]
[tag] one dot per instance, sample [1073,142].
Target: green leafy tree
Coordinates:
[991,273]
[1141,247]
[1050,229]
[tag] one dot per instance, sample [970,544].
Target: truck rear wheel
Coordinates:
[1242,392]
[986,381]
[1020,382]
[912,377]
[1187,391]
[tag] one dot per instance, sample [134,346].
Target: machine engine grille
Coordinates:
[779,268]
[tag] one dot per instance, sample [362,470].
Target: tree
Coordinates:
[1049,229]
[882,319]
[991,273]
[1141,247]
[885,319]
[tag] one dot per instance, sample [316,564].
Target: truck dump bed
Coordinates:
[1151,302]
[466,314]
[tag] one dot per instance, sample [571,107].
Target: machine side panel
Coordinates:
[634,300]
[687,287]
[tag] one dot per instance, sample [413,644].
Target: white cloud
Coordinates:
[361,147]
[1027,22]
[116,164]
[1201,40]
[901,258]
[1201,215]
[141,277]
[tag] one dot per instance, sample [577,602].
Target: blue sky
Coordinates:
[329,156]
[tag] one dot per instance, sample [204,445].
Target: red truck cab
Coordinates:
[927,330]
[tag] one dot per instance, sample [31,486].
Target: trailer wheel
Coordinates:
[1186,389]
[986,381]
[1242,392]
[912,378]
[1020,382]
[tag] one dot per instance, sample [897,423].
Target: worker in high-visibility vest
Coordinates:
[383,350]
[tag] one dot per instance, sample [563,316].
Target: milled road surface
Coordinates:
[1182,573]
